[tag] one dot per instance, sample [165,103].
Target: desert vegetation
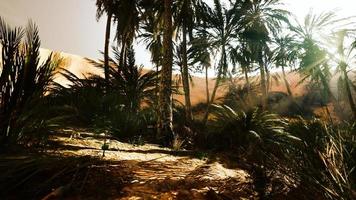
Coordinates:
[60,140]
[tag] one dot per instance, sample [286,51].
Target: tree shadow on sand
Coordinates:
[174,179]
[37,176]
[166,175]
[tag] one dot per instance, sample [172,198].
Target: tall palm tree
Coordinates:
[285,54]
[243,57]
[109,7]
[165,123]
[220,27]
[128,15]
[185,15]
[261,18]
[199,54]
[344,59]
[315,67]
[314,61]
[152,37]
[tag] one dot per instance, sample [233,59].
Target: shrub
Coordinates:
[325,162]
[177,143]
[24,83]
[239,129]
[120,106]
[259,137]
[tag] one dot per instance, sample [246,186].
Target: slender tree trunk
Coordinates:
[217,83]
[286,82]
[106,48]
[157,92]
[157,82]
[268,79]
[349,94]
[211,101]
[263,83]
[331,96]
[246,78]
[165,124]
[185,76]
[207,85]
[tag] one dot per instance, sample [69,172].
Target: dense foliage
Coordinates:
[24,83]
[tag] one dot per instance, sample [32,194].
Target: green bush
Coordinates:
[258,137]
[238,129]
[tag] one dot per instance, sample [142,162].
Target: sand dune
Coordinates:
[78,65]
[81,67]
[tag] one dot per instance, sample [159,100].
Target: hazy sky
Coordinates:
[70,25]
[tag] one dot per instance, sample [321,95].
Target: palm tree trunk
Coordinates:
[106,48]
[331,96]
[156,107]
[207,85]
[349,94]
[246,78]
[263,84]
[286,82]
[217,83]
[185,77]
[157,82]
[211,101]
[268,79]
[165,124]
[247,86]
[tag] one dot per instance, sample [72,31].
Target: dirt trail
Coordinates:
[160,173]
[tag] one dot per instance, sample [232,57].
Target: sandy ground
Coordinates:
[161,173]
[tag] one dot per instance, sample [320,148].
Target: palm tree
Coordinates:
[165,121]
[261,18]
[128,15]
[22,77]
[12,64]
[185,15]
[158,27]
[315,67]
[109,7]
[220,27]
[314,59]
[344,59]
[152,37]
[285,53]
[133,84]
[243,56]
[199,54]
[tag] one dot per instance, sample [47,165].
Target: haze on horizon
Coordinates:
[70,26]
